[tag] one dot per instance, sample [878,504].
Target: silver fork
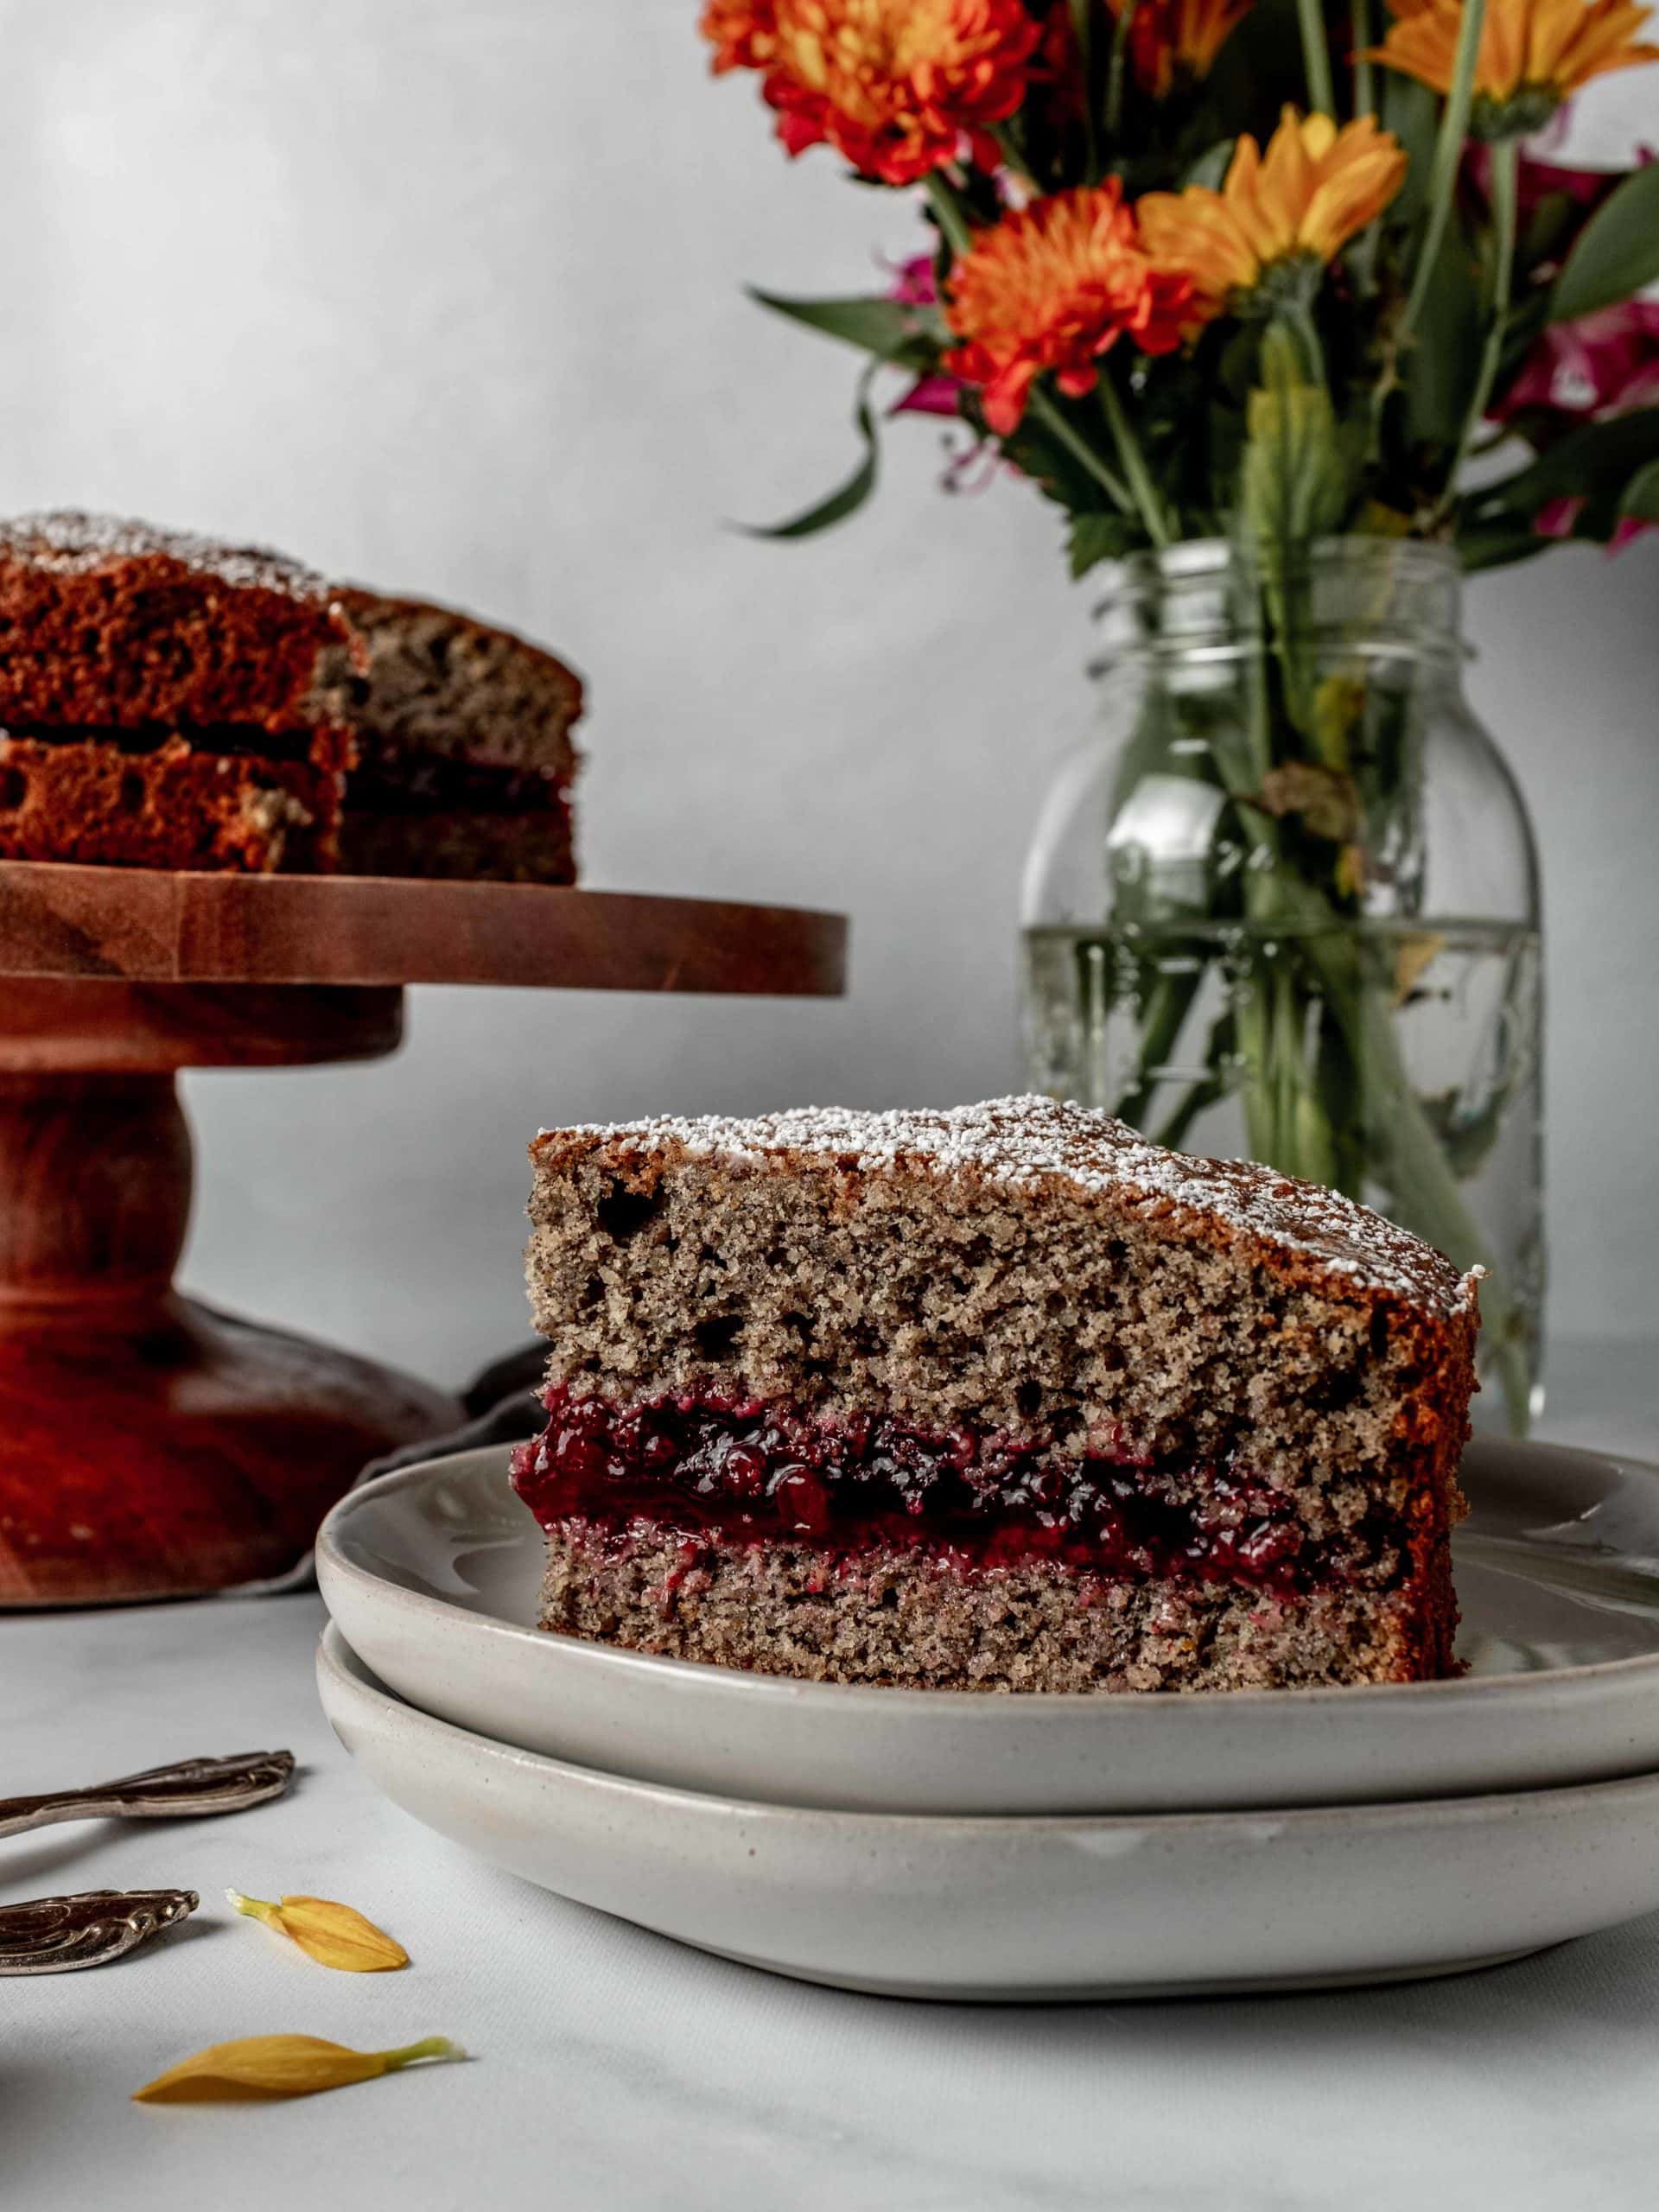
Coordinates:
[60,1934]
[191,1787]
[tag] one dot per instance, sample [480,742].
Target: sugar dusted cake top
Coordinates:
[1032,1143]
[67,538]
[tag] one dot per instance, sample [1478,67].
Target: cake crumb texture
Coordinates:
[896,1619]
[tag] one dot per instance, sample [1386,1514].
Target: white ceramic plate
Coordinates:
[432,1573]
[1021,1908]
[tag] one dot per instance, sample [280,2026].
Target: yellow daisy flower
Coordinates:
[1533,54]
[1298,204]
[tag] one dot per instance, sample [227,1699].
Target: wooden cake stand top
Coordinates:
[139,926]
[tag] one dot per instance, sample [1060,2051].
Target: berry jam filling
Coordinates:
[399,782]
[702,1464]
[231,738]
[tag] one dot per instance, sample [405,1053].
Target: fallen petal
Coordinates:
[334,1934]
[262,2067]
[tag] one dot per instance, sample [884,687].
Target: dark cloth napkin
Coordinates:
[502,1408]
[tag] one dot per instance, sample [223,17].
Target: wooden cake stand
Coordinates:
[150,1446]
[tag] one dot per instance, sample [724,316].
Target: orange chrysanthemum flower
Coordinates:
[898,86]
[1532,52]
[1053,287]
[1298,203]
[1175,42]
[742,32]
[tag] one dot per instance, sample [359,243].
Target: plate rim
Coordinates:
[1480,1807]
[1585,1678]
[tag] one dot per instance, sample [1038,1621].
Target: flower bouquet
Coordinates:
[1279,308]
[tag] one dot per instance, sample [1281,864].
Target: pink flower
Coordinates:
[913,283]
[914,286]
[1604,364]
[1558,517]
[935,395]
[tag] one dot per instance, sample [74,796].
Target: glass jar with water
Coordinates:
[1284,903]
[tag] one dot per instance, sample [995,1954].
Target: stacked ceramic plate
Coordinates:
[941,1844]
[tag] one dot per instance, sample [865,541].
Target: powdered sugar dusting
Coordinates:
[67,538]
[1025,1143]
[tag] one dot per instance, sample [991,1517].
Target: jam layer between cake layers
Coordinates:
[732,1471]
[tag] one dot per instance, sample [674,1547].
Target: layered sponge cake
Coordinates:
[167,701]
[465,762]
[1002,1398]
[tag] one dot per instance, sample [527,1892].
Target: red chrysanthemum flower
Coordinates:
[898,86]
[1175,42]
[1052,288]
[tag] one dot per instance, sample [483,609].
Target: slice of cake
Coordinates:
[1001,1398]
[465,762]
[166,700]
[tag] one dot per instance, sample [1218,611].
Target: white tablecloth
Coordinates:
[613,2069]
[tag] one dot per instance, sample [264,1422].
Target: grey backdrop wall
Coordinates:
[446,296]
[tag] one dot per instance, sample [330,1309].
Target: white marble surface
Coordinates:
[612,2070]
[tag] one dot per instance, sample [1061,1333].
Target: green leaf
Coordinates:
[1616,252]
[1100,536]
[1211,166]
[852,494]
[1639,501]
[908,337]
[1444,359]
[1293,486]
[1595,464]
[1500,545]
[1412,112]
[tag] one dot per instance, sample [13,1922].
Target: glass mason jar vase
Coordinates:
[1284,904]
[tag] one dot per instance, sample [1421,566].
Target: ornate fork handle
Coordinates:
[59,1935]
[191,1787]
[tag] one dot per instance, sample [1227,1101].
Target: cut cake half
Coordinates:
[1000,1398]
[465,762]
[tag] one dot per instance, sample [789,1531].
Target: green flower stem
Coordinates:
[1220,1051]
[1505,158]
[1083,30]
[1164,1009]
[1118,70]
[1322,93]
[1362,256]
[1053,420]
[1364,85]
[948,210]
[1012,155]
[1297,317]
[1443,171]
[1147,497]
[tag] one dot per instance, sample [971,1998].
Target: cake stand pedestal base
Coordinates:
[149,1446]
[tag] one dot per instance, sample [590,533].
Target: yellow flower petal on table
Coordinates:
[262,2067]
[334,1934]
